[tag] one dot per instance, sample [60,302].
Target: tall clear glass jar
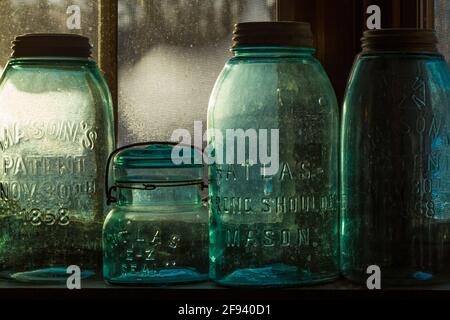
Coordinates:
[395,160]
[278,228]
[56,132]
[157,233]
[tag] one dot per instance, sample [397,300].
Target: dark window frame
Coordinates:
[107,47]
[338,27]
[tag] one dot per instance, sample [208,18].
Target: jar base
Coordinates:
[158,278]
[44,276]
[270,276]
[401,278]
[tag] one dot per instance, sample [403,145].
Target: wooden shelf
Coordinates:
[99,285]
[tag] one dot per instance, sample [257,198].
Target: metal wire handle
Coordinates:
[110,198]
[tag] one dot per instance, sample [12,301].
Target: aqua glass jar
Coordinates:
[157,233]
[395,161]
[273,224]
[56,132]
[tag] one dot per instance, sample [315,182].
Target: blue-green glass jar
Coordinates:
[395,160]
[56,132]
[157,233]
[273,224]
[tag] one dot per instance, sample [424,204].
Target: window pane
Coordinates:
[442,14]
[43,16]
[170,54]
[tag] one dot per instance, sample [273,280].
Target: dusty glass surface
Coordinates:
[55,136]
[157,233]
[170,54]
[18,17]
[395,199]
[279,230]
[442,25]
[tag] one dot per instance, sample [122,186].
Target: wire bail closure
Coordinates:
[111,191]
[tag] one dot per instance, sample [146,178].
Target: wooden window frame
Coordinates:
[338,27]
[107,48]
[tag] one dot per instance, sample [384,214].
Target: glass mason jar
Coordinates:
[395,160]
[273,223]
[56,132]
[158,231]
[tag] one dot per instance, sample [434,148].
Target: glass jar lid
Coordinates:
[147,166]
[158,155]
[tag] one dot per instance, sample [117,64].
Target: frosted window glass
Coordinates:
[43,16]
[170,54]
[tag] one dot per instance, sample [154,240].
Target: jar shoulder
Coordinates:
[149,213]
[376,80]
[370,69]
[262,86]
[41,76]
[60,90]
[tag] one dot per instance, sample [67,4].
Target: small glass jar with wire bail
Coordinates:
[157,233]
